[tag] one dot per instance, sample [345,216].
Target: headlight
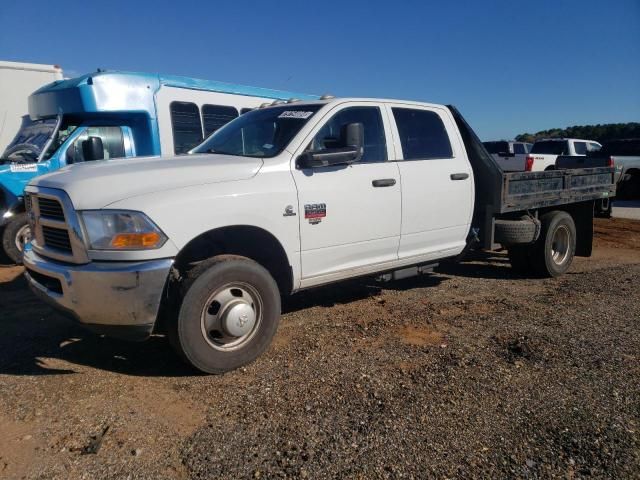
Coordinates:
[121,230]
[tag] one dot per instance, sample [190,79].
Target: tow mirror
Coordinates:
[349,149]
[92,149]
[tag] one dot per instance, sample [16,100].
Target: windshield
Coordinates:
[550,147]
[32,137]
[262,133]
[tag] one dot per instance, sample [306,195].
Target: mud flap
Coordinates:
[583,217]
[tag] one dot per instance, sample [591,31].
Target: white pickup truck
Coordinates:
[544,153]
[286,198]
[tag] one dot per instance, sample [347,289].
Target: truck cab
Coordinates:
[107,115]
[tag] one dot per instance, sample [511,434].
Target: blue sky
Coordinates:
[509,66]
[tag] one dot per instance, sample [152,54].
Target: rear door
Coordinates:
[437,182]
[349,214]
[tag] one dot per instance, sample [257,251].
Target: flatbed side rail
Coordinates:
[530,190]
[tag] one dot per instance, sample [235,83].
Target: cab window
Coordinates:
[580,148]
[112,143]
[422,134]
[519,148]
[593,147]
[375,146]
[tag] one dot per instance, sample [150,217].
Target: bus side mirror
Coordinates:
[92,149]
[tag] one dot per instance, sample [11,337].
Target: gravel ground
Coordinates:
[469,372]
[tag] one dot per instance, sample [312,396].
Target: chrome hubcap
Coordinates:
[231,316]
[23,236]
[560,245]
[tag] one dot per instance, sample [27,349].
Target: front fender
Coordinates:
[269,204]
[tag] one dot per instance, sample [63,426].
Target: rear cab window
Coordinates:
[422,134]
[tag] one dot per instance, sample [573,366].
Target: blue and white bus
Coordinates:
[111,114]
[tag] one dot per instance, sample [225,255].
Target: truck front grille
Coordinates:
[56,238]
[50,208]
[56,229]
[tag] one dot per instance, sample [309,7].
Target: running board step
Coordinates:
[406,272]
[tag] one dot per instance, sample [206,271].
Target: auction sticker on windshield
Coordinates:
[24,167]
[295,114]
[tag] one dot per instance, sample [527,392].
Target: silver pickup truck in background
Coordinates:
[623,155]
[507,148]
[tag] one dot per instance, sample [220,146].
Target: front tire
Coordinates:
[553,253]
[229,314]
[16,234]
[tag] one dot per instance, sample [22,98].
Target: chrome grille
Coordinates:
[50,208]
[57,238]
[57,232]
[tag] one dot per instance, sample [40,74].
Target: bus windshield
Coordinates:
[261,133]
[30,140]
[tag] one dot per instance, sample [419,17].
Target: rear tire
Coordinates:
[14,237]
[229,314]
[553,253]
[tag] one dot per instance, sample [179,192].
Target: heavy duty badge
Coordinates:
[315,212]
[288,211]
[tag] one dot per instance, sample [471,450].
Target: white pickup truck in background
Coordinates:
[288,197]
[544,153]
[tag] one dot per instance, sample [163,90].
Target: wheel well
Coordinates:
[550,167]
[247,241]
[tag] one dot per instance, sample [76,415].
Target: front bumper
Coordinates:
[119,299]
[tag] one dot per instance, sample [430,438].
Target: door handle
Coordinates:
[384,182]
[459,176]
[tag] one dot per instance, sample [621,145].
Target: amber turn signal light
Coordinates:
[136,240]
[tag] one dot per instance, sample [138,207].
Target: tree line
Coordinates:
[599,133]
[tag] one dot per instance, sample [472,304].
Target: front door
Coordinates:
[349,214]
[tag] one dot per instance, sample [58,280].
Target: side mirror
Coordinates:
[92,149]
[350,149]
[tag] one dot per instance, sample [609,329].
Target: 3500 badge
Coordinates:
[315,212]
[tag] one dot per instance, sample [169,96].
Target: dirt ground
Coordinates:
[470,372]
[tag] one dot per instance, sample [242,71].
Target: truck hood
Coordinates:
[97,184]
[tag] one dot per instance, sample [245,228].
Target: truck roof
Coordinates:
[565,140]
[338,100]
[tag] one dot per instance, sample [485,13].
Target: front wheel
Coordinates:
[229,314]
[553,253]
[16,235]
